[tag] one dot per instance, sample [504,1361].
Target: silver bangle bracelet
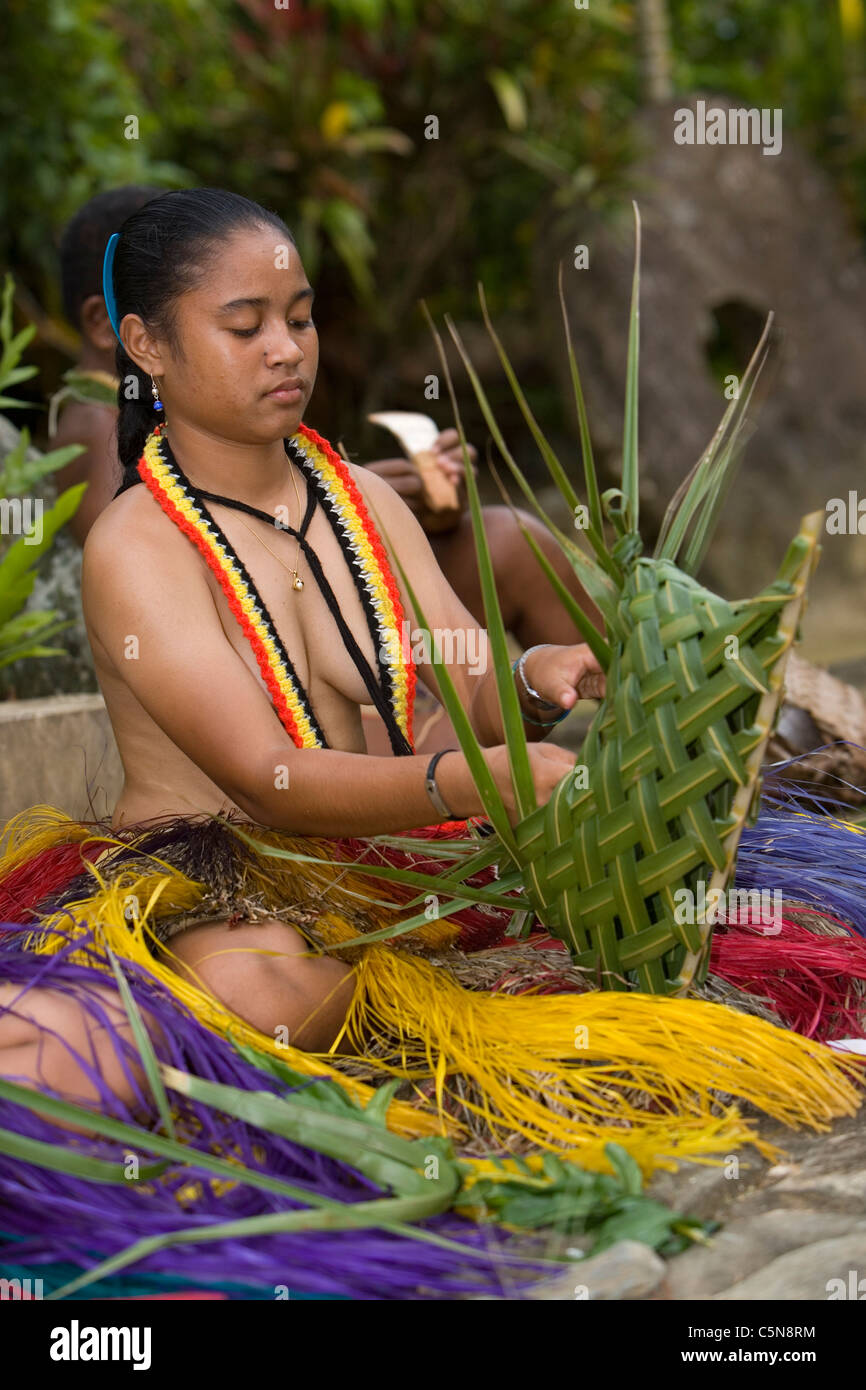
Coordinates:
[533,694]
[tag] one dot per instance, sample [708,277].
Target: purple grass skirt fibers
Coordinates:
[803,849]
[57,1217]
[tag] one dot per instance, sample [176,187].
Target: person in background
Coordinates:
[524,592]
[87,422]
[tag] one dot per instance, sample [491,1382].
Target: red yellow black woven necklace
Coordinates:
[330,482]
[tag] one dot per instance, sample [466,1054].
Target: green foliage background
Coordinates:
[319,109]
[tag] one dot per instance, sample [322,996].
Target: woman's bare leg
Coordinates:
[48,1038]
[263,972]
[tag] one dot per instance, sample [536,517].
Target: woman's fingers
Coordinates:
[570,674]
[549,765]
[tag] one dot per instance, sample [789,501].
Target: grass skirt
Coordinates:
[496,1045]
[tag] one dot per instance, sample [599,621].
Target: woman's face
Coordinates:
[246,352]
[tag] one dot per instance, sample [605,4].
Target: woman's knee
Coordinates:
[269,975]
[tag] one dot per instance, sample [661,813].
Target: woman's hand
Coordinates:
[548,764]
[563,675]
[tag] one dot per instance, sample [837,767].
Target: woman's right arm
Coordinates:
[194,685]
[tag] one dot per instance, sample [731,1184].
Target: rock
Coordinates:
[627,1270]
[697,1189]
[748,1245]
[824,1269]
[58,752]
[810,1194]
[828,1191]
[714,264]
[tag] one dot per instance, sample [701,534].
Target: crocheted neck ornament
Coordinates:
[334,487]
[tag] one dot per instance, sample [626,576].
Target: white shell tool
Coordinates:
[417,434]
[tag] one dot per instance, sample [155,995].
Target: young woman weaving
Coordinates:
[242,593]
[244,598]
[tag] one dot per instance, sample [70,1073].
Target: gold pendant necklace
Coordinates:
[297,581]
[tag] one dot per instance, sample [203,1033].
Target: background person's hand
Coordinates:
[449,455]
[406,480]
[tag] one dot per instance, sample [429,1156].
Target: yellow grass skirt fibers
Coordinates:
[565,1073]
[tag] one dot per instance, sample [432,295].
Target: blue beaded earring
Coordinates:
[157,403]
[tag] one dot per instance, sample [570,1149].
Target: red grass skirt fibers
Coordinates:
[816,983]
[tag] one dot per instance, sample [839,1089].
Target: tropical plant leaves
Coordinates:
[563,1197]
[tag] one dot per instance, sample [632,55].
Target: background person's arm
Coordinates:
[96,428]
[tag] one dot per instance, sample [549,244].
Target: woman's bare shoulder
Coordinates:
[132,540]
[131,522]
[384,503]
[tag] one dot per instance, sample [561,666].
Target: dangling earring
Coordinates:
[157,403]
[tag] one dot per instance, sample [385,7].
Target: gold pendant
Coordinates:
[298,583]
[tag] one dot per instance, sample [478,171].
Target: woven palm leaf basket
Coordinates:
[673,764]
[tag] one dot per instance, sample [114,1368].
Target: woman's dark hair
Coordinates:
[164,250]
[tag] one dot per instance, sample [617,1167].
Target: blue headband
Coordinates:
[108,282]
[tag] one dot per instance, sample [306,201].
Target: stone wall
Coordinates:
[60,752]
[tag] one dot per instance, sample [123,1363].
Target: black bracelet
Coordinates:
[432,790]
